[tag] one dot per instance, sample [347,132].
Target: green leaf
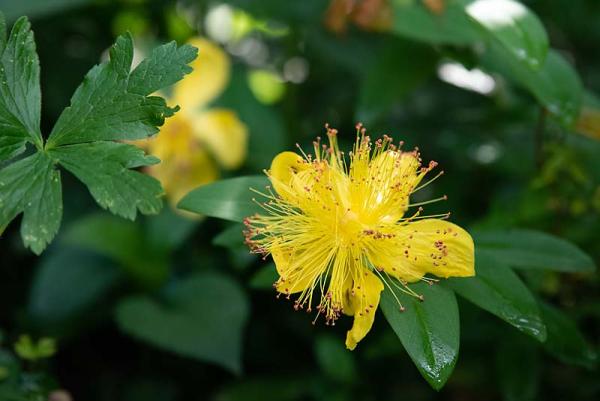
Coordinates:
[514,27]
[264,278]
[334,359]
[528,249]
[232,237]
[32,186]
[86,276]
[429,330]
[498,290]
[556,85]
[565,341]
[453,26]
[112,104]
[20,98]
[397,70]
[230,199]
[105,168]
[202,317]
[37,8]
[124,242]
[520,384]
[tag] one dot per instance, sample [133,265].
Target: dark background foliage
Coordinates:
[508,163]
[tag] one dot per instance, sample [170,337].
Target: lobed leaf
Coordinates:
[32,186]
[112,104]
[105,168]
[20,98]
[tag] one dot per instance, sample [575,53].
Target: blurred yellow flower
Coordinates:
[339,226]
[198,139]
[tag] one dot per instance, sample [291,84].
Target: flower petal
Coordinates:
[185,164]
[364,300]
[292,277]
[284,168]
[394,175]
[426,246]
[223,134]
[207,81]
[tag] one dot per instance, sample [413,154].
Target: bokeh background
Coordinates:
[290,67]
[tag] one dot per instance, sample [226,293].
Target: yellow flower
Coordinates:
[193,143]
[338,225]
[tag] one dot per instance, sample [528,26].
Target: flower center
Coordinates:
[349,228]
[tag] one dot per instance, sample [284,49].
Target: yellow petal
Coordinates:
[207,81]
[364,300]
[292,277]
[284,168]
[426,246]
[396,175]
[185,164]
[223,134]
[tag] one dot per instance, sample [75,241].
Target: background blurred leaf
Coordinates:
[229,199]
[565,341]
[335,360]
[515,27]
[429,330]
[124,242]
[497,289]
[556,85]
[35,8]
[412,19]
[201,317]
[264,278]
[398,69]
[232,237]
[518,368]
[267,132]
[68,282]
[528,249]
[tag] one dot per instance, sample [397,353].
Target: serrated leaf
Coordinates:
[230,199]
[202,317]
[528,249]
[112,101]
[112,104]
[515,27]
[565,341]
[105,168]
[32,186]
[498,290]
[428,330]
[19,90]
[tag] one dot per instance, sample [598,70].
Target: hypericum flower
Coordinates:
[194,142]
[339,225]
